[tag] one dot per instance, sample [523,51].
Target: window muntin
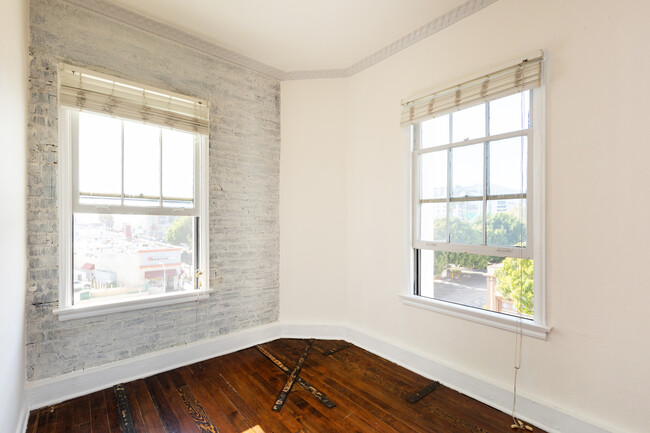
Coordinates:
[471,234]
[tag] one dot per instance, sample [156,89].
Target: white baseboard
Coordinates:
[23,417]
[49,391]
[44,392]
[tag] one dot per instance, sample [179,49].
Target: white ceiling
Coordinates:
[296,35]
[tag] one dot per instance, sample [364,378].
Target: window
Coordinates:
[477,195]
[133,195]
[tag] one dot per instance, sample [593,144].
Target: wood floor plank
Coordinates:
[336,413]
[381,395]
[64,418]
[352,388]
[194,406]
[210,374]
[224,415]
[80,408]
[98,415]
[47,420]
[171,409]
[32,421]
[148,411]
[235,393]
[136,415]
[261,380]
[253,401]
[112,411]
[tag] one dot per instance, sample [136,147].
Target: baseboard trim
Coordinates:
[22,420]
[49,391]
[44,392]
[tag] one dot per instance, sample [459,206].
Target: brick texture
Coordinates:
[243,194]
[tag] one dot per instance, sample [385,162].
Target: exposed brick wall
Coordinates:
[244,194]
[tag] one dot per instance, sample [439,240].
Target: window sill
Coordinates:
[78,312]
[497,320]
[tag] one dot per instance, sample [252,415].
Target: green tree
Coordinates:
[505,229]
[515,281]
[463,232]
[180,231]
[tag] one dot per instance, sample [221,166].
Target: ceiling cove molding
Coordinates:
[118,13]
[442,22]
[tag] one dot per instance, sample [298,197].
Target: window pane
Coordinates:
[506,223]
[141,164]
[466,222]
[503,285]
[508,166]
[426,273]
[129,256]
[435,132]
[467,171]
[510,113]
[468,124]
[178,168]
[426,222]
[100,159]
[433,222]
[433,175]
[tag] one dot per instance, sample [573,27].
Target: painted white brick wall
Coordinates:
[244,191]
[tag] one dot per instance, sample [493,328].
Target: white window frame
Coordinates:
[535,249]
[68,204]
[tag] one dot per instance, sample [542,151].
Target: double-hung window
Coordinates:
[477,198]
[133,171]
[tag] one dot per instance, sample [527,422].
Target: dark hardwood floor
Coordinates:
[235,394]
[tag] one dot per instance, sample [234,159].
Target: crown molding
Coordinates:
[123,15]
[118,13]
[442,22]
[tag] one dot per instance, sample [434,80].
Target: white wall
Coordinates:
[594,364]
[13,111]
[312,201]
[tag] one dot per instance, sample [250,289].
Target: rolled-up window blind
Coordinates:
[92,91]
[516,78]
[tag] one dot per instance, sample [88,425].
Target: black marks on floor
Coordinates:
[286,389]
[123,409]
[306,385]
[414,398]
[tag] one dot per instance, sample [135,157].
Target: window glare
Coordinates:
[141,161]
[435,132]
[177,165]
[508,166]
[509,113]
[434,175]
[100,154]
[467,170]
[468,124]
